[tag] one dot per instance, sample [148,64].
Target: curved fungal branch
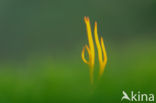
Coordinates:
[102,56]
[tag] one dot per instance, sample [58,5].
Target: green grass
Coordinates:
[66,80]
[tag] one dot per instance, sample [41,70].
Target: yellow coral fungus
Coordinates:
[102,56]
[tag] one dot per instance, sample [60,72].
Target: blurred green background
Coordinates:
[41,43]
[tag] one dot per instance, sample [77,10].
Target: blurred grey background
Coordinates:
[28,27]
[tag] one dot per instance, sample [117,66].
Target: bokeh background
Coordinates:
[41,43]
